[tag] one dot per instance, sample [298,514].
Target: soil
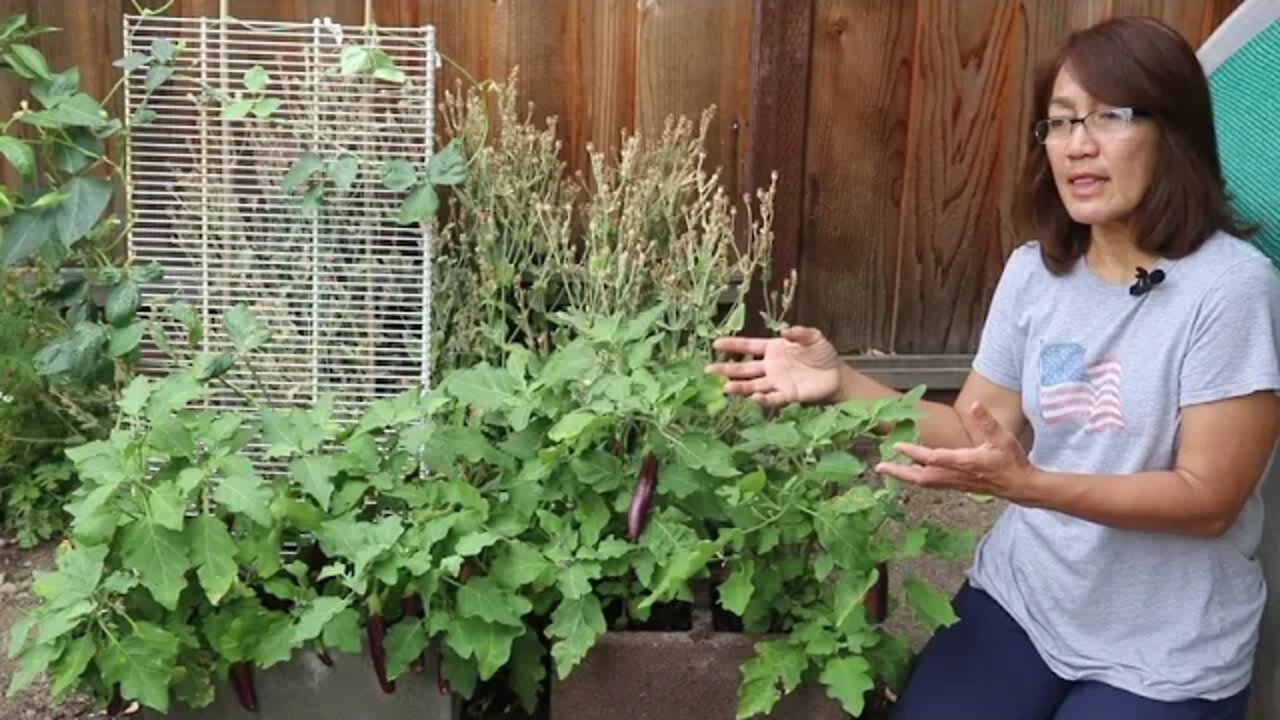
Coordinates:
[950,510]
[16,568]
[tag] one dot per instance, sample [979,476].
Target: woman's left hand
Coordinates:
[998,467]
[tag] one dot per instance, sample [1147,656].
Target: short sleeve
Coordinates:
[1004,339]
[1234,348]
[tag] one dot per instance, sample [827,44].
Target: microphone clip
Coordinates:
[1145,281]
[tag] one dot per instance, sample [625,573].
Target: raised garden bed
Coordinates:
[344,691]
[692,674]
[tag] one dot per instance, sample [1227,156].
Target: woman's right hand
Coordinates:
[800,366]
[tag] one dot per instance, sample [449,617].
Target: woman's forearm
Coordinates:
[1166,501]
[941,425]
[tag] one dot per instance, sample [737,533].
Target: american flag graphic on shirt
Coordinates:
[1075,392]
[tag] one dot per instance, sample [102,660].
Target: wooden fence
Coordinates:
[898,125]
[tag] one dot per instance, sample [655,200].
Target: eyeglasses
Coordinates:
[1101,124]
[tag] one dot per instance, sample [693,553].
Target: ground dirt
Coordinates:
[953,511]
[16,567]
[950,510]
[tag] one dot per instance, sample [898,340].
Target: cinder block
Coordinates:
[306,689]
[669,675]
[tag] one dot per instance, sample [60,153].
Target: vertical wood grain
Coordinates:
[859,114]
[464,36]
[607,55]
[343,12]
[541,41]
[691,55]
[182,8]
[781,50]
[575,58]
[1194,19]
[89,38]
[950,229]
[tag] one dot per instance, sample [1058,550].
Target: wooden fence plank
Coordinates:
[951,246]
[576,58]
[186,8]
[537,38]
[343,12]
[903,372]
[90,39]
[1194,19]
[464,36]
[607,57]
[857,128]
[781,49]
[1081,14]
[691,55]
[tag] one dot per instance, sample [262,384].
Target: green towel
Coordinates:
[1246,106]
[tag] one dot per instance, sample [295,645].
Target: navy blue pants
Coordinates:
[985,668]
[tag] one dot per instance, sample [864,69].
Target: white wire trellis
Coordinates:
[347,291]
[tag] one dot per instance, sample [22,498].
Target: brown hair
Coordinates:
[1142,63]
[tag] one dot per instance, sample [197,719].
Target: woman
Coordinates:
[1121,582]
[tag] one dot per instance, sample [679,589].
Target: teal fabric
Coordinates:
[1246,99]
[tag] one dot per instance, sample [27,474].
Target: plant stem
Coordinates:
[257,381]
[76,411]
[58,413]
[45,441]
[458,66]
[137,6]
[241,393]
[115,88]
[107,631]
[94,156]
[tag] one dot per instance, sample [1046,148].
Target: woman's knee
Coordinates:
[982,666]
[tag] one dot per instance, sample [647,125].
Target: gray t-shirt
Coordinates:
[1103,375]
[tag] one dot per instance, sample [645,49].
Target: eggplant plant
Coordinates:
[489,519]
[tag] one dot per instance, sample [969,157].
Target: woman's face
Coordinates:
[1102,173]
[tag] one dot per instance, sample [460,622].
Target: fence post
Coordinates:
[777,125]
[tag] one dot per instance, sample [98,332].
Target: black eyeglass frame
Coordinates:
[1041,129]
